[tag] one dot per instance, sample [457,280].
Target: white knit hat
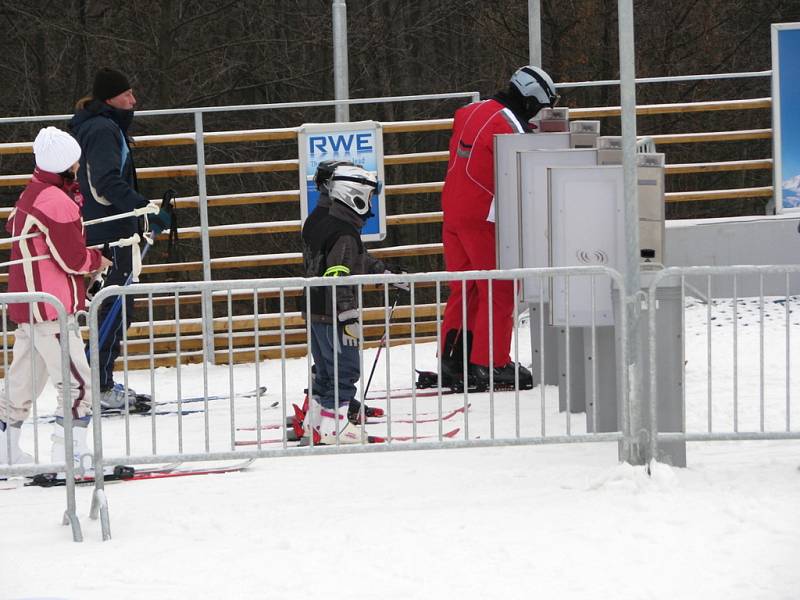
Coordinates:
[55,150]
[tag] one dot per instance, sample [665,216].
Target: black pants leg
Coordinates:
[118,274]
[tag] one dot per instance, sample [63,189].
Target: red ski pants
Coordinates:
[467,248]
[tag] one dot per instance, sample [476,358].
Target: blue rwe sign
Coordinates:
[786,115]
[362,144]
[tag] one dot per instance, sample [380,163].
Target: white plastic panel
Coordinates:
[586,229]
[506,185]
[534,216]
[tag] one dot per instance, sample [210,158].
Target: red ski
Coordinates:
[371,439]
[427,417]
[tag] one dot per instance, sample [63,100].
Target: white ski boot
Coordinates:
[81,454]
[10,433]
[323,424]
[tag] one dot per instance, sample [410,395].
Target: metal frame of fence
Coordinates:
[70,515]
[416,441]
[681,274]
[488,429]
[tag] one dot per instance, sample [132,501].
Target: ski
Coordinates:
[121,413]
[191,471]
[145,409]
[11,484]
[427,385]
[260,391]
[122,473]
[371,439]
[422,417]
[408,393]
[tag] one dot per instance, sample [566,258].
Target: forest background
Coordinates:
[190,53]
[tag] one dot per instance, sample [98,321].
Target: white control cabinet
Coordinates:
[587,228]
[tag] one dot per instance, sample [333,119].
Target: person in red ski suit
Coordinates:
[468,232]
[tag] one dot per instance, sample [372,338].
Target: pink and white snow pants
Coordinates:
[37,357]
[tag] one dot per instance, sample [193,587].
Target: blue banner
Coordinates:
[786,114]
[360,143]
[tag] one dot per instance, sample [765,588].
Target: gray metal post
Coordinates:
[544,340]
[632,452]
[602,415]
[341,85]
[535,32]
[576,374]
[663,389]
[202,195]
[99,506]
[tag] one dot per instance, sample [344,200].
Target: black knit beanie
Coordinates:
[109,83]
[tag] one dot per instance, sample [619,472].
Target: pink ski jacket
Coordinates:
[50,206]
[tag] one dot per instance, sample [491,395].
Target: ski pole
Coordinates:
[383,342]
[111,315]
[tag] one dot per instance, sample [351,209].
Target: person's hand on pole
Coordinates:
[403,286]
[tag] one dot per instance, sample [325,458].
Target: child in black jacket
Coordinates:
[332,247]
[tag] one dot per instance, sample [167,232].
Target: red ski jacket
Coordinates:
[468,191]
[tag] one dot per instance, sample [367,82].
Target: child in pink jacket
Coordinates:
[55,260]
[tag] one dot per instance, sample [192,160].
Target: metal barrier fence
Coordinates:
[729,375]
[38,466]
[737,367]
[218,419]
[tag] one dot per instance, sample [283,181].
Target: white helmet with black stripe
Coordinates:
[353,187]
[534,83]
[324,171]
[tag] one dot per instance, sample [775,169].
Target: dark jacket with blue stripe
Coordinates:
[107,175]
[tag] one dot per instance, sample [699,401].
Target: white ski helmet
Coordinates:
[353,187]
[324,171]
[532,82]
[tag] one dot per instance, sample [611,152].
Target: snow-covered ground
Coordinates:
[559,521]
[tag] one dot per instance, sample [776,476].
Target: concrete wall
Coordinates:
[771,240]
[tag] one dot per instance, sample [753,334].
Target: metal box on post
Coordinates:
[584,134]
[609,150]
[552,120]
[586,229]
[650,168]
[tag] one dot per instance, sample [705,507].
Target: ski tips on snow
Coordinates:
[144,406]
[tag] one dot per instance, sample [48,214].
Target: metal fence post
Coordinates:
[631,451]
[99,506]
[341,76]
[202,195]
[70,515]
[535,32]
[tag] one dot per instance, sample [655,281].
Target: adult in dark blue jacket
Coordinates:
[108,182]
